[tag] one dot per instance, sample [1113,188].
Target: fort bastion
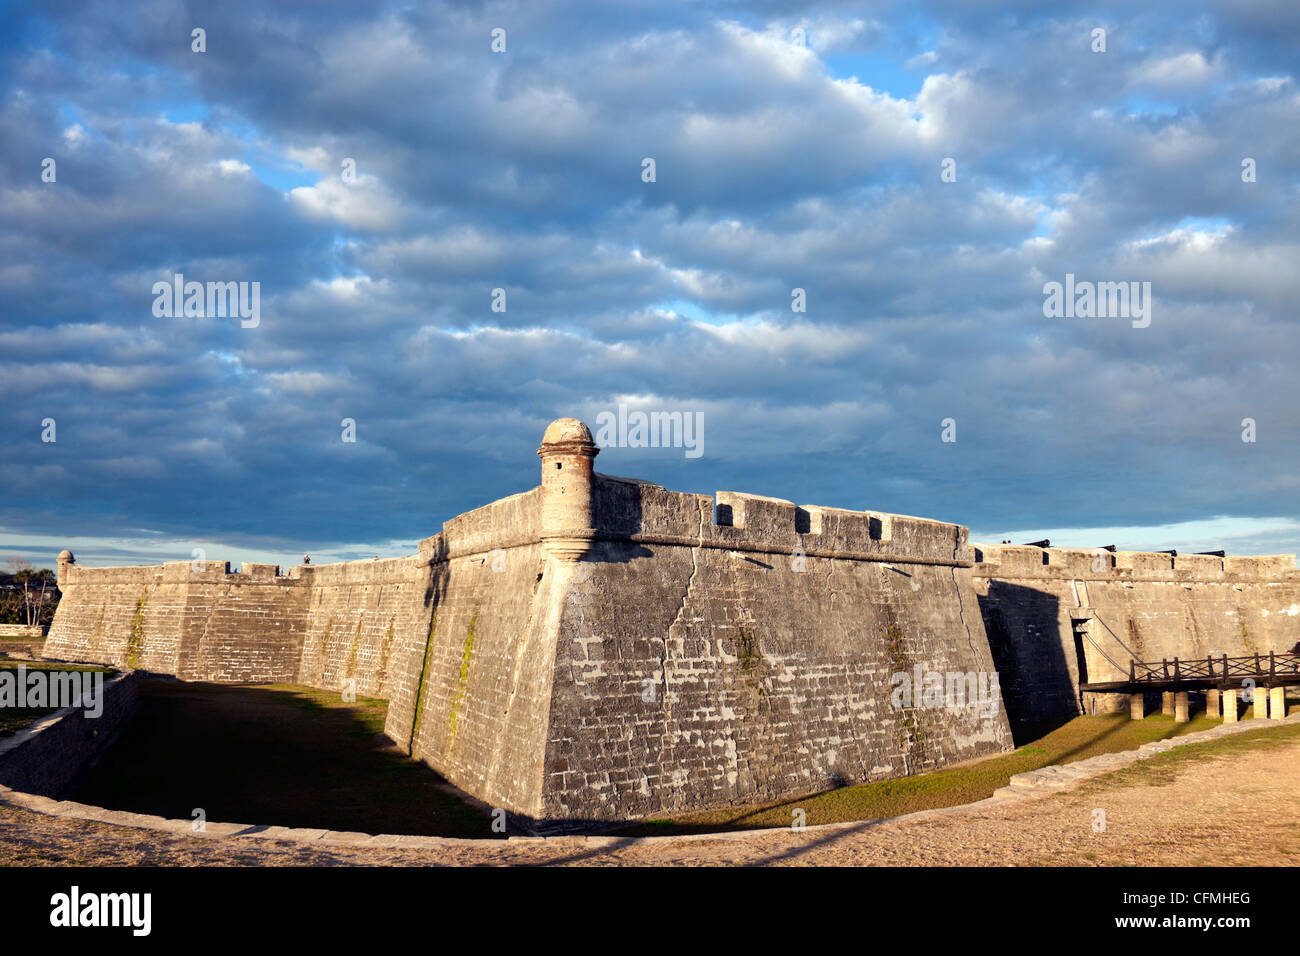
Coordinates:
[602,648]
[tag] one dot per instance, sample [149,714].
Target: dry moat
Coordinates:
[302,757]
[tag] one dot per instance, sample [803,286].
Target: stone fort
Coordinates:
[602,648]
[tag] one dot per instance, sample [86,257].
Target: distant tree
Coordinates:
[31,595]
[11,603]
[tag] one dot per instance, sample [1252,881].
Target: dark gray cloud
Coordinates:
[778,167]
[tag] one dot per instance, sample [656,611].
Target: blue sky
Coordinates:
[780,164]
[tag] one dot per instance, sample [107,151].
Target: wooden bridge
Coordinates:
[1264,677]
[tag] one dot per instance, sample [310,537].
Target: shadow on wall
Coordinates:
[616,509]
[1024,632]
[435,591]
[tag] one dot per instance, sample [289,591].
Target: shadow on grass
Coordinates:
[1026,732]
[288,756]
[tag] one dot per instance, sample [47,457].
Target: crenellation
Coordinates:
[1012,561]
[1144,562]
[762,518]
[642,512]
[259,572]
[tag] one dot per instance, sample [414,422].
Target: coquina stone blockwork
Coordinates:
[1057,617]
[602,648]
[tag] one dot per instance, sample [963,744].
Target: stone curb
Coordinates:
[1030,785]
[1061,777]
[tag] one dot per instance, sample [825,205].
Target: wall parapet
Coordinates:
[507,523]
[1027,561]
[641,512]
[175,572]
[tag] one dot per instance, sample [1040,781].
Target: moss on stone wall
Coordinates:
[418,710]
[135,640]
[753,666]
[911,735]
[462,682]
[1247,640]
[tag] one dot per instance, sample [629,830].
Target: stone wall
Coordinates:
[768,635]
[45,757]
[27,650]
[602,648]
[352,616]
[11,632]
[470,692]
[1050,612]
[199,622]
[715,656]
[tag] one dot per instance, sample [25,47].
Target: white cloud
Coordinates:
[1179,73]
[361,204]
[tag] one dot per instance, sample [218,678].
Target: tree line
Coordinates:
[27,595]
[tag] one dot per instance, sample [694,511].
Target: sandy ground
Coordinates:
[1242,809]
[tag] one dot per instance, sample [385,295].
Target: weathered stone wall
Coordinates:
[706,664]
[601,648]
[769,636]
[29,650]
[45,757]
[471,695]
[1050,611]
[197,622]
[10,632]
[354,614]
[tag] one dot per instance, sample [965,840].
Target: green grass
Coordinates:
[13,665]
[283,755]
[1078,739]
[1157,770]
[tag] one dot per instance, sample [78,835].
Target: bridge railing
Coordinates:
[1224,668]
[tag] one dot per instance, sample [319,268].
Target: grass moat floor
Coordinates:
[301,757]
[273,754]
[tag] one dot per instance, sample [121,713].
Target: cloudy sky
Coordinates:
[795,146]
